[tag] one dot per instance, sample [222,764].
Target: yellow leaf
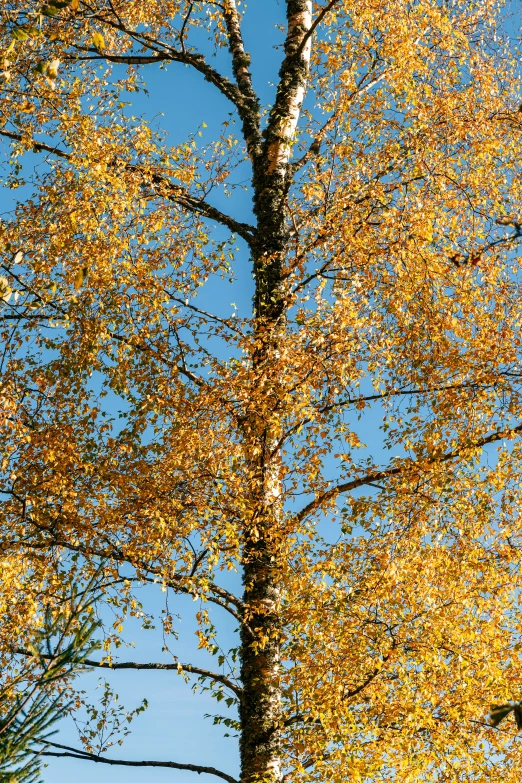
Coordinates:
[52,68]
[98,40]
[80,277]
[5,289]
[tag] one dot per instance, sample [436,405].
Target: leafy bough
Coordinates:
[33,694]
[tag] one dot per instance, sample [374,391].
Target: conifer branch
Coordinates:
[32,700]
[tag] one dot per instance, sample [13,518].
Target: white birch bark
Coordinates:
[288,107]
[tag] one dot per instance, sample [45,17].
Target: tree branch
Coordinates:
[162,52]
[402,393]
[249,108]
[319,18]
[374,398]
[147,349]
[174,192]
[382,475]
[37,146]
[226,322]
[179,667]
[219,596]
[181,196]
[300,717]
[184,27]
[241,94]
[186,667]
[314,147]
[77,753]
[291,89]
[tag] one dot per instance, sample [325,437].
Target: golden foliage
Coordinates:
[384,396]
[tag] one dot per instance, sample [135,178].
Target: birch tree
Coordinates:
[351,444]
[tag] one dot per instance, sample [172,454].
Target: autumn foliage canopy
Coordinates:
[348,439]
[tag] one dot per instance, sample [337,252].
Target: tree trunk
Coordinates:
[260,712]
[260,637]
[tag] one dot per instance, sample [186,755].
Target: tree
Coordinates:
[148,427]
[35,684]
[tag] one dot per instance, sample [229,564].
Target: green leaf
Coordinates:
[41,68]
[52,9]
[32,32]
[19,34]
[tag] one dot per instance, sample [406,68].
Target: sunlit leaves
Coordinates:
[148,420]
[98,40]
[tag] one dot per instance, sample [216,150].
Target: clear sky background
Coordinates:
[174,728]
